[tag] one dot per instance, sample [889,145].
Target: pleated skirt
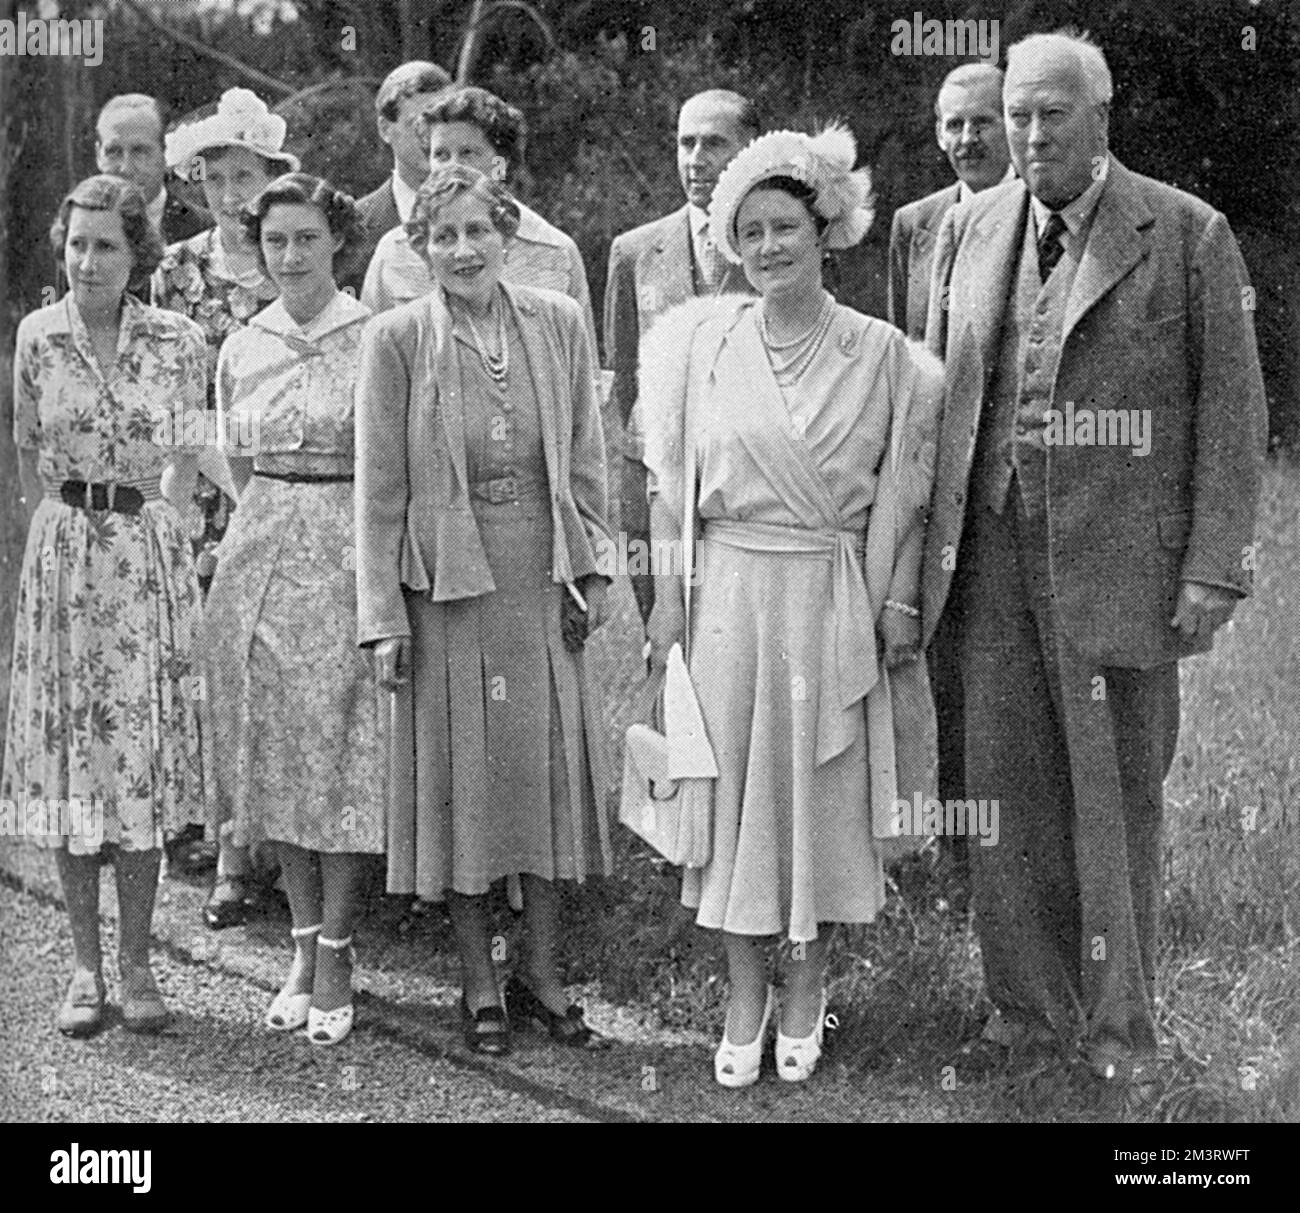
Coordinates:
[496,749]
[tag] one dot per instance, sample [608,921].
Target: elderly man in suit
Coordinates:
[1098,471]
[968,125]
[399,110]
[129,143]
[659,265]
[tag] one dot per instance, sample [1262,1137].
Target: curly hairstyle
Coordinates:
[105,192]
[796,189]
[447,183]
[502,125]
[302,189]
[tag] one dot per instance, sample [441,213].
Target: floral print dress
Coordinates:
[194,279]
[295,707]
[104,702]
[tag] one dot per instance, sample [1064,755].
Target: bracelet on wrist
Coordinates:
[902,608]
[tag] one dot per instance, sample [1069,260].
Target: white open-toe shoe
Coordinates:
[738,1065]
[330,1027]
[289,1011]
[796,1057]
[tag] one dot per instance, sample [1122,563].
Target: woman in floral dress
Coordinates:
[217,279]
[294,702]
[103,749]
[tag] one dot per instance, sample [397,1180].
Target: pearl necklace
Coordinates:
[804,347]
[496,366]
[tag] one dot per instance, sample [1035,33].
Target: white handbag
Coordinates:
[668,776]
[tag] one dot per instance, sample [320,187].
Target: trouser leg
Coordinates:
[1023,888]
[635,514]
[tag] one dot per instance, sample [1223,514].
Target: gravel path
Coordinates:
[209,1065]
[404,1061]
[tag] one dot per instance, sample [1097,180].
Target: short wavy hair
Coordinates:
[105,192]
[449,182]
[503,126]
[302,189]
[799,190]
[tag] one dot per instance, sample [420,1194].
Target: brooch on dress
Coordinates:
[849,342]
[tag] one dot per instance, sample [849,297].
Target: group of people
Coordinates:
[390,658]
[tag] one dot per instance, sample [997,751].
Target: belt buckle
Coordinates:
[88,496]
[503,489]
[112,494]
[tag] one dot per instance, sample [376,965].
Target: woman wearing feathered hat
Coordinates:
[809,428]
[217,279]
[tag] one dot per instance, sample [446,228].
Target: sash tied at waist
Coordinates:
[849,666]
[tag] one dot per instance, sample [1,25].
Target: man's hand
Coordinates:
[1202,609]
[393,662]
[902,636]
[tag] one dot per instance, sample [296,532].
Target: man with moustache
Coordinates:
[969,128]
[1084,572]
[658,265]
[968,125]
[400,103]
[129,143]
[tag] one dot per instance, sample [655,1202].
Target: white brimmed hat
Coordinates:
[241,120]
[823,162]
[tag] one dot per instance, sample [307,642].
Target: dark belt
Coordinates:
[120,498]
[306,477]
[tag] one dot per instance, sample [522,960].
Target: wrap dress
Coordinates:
[783,648]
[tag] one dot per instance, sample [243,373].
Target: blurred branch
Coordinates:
[370,83]
[480,17]
[238,65]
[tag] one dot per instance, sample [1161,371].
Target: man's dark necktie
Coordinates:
[1050,247]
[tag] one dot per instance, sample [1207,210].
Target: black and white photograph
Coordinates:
[649,561]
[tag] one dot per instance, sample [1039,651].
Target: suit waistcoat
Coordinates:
[1030,351]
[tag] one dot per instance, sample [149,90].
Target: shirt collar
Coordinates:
[964,191]
[1077,214]
[403,196]
[699,225]
[137,321]
[156,207]
[338,313]
[253,279]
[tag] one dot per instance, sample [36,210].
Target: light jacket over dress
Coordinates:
[682,359]
[416,529]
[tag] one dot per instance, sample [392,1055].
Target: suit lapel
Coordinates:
[669,277]
[992,261]
[1118,239]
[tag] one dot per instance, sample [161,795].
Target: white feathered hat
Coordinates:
[241,120]
[823,162]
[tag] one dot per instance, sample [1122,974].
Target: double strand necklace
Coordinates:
[789,359]
[497,366]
